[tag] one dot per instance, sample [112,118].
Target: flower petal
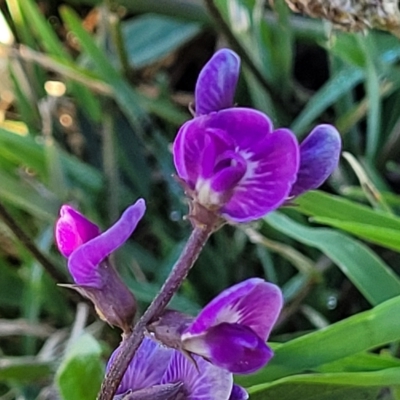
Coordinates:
[319,156]
[253,303]
[245,126]
[196,147]
[271,170]
[234,347]
[83,262]
[238,393]
[146,368]
[201,380]
[217,81]
[72,230]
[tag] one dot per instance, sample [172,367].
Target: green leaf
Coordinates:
[383,236]
[330,92]
[361,265]
[361,332]
[24,369]
[132,103]
[320,204]
[150,37]
[81,372]
[356,385]
[50,42]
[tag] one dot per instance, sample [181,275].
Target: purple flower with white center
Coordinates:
[161,373]
[233,162]
[87,251]
[232,329]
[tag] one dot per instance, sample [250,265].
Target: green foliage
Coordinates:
[81,372]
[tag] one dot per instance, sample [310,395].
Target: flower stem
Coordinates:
[130,344]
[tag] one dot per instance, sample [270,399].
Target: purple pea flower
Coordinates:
[233,162]
[87,251]
[232,329]
[161,373]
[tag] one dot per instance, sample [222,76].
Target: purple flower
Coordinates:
[233,162]
[161,373]
[232,329]
[87,251]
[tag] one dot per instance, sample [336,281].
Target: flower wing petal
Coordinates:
[84,261]
[196,147]
[234,347]
[216,85]
[271,171]
[319,156]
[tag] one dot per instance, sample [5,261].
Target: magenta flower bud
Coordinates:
[87,251]
[73,230]
[155,368]
[232,329]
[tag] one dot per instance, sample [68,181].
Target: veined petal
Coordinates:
[234,347]
[201,380]
[245,126]
[146,368]
[216,85]
[83,262]
[196,147]
[319,156]
[272,168]
[253,303]
[238,393]
[72,230]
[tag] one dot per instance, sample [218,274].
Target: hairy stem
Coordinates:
[179,272]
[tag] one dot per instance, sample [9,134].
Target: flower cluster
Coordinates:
[228,336]
[234,166]
[233,161]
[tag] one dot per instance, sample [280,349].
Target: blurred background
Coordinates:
[92,94]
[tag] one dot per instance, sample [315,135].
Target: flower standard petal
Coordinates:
[201,380]
[253,303]
[319,156]
[84,261]
[216,85]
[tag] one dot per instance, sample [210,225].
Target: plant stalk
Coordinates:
[130,344]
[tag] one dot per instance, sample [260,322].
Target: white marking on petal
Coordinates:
[205,195]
